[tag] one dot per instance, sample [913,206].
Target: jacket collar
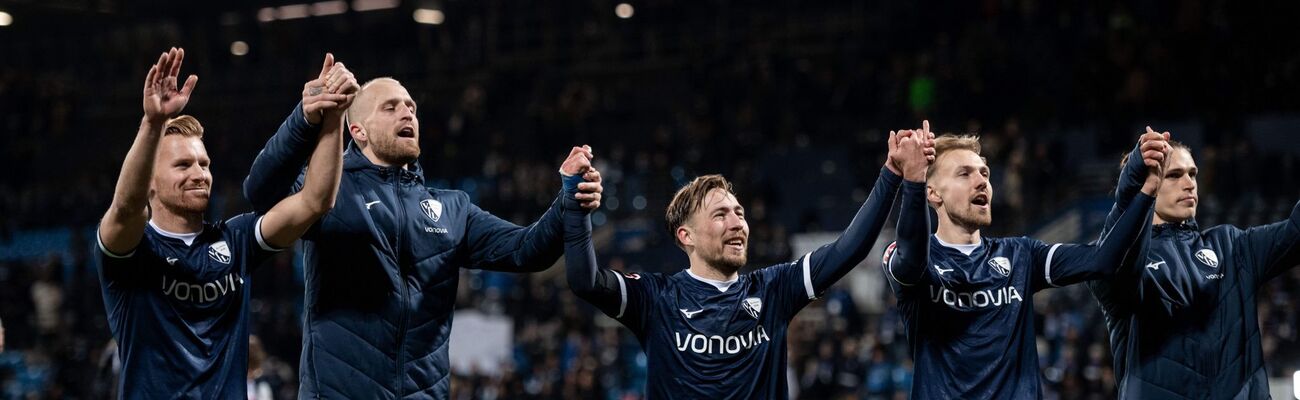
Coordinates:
[354,160]
[1185,226]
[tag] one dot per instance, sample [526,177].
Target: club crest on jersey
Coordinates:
[1002,265]
[219,252]
[753,306]
[432,209]
[1207,257]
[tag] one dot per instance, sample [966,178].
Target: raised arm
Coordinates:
[276,168]
[905,259]
[123,225]
[291,217]
[1135,172]
[1120,249]
[1275,248]
[499,245]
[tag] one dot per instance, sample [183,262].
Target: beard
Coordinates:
[971,218]
[184,203]
[727,263]
[393,150]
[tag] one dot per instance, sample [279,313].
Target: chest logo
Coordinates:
[432,209]
[1001,265]
[753,306]
[691,314]
[1207,257]
[219,252]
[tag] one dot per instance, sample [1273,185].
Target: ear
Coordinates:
[932,197]
[685,236]
[358,132]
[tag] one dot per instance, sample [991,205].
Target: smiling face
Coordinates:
[959,189]
[717,232]
[182,181]
[1177,198]
[384,123]
[709,224]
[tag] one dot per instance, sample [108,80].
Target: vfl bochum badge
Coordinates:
[753,306]
[1207,257]
[432,209]
[220,252]
[1002,265]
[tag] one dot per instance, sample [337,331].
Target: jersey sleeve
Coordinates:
[246,230]
[1060,264]
[638,295]
[1273,248]
[788,287]
[124,270]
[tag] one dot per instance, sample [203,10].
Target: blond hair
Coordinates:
[185,126]
[950,142]
[690,198]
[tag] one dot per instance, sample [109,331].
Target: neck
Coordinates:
[374,159]
[1157,220]
[952,232]
[706,270]
[174,222]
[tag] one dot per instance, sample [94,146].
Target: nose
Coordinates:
[408,113]
[735,223]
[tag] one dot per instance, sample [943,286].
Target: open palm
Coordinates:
[162,98]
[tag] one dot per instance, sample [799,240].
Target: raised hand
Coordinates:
[162,98]
[1155,150]
[579,163]
[909,154]
[317,96]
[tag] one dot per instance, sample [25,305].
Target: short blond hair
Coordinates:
[361,108]
[950,142]
[185,126]
[690,198]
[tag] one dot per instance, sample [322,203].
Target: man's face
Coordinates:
[181,179]
[392,131]
[719,233]
[1177,199]
[960,189]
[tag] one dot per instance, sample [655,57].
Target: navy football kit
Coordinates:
[719,340]
[178,308]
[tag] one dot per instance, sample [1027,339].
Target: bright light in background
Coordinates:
[294,11]
[238,48]
[6,19]
[1295,387]
[329,8]
[624,10]
[369,5]
[430,17]
[266,14]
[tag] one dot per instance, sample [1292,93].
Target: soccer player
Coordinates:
[175,286]
[708,331]
[1183,322]
[382,267]
[966,300]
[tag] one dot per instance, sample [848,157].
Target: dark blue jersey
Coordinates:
[704,342]
[969,318]
[179,312]
[1183,323]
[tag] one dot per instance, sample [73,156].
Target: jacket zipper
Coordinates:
[401,276]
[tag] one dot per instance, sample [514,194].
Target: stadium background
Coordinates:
[790,99]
